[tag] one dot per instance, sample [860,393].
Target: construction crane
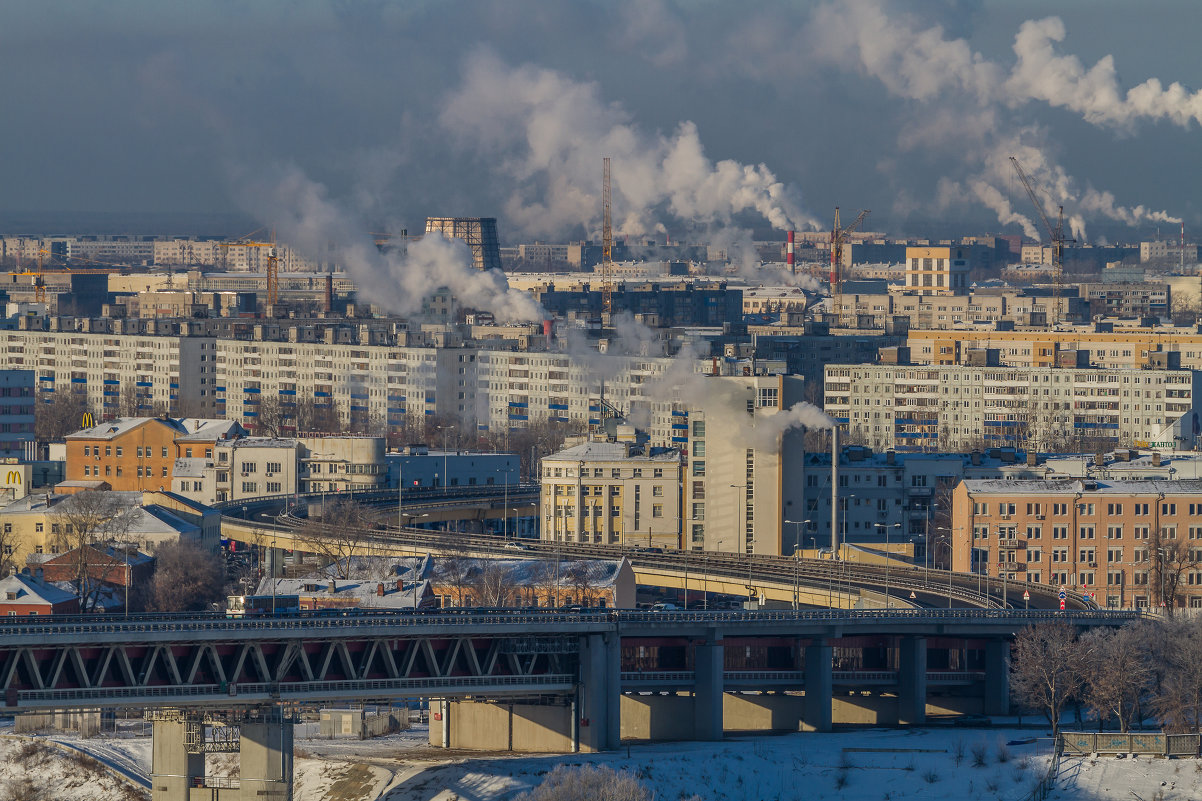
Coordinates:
[607,244]
[1055,233]
[839,237]
[273,266]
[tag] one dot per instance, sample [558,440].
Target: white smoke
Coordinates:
[310,221]
[923,64]
[547,133]
[1039,73]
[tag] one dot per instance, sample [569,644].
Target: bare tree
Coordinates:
[345,531]
[455,568]
[82,525]
[1117,673]
[492,583]
[1046,670]
[1172,559]
[312,417]
[187,578]
[581,577]
[273,417]
[1178,703]
[58,414]
[129,402]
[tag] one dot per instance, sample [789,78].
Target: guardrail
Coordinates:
[1077,743]
[552,619]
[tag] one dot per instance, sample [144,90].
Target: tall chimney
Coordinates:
[789,254]
[329,293]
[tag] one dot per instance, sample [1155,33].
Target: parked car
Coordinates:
[513,545]
[664,606]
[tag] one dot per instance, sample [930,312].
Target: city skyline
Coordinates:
[717,117]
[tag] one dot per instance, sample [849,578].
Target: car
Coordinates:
[516,546]
[664,606]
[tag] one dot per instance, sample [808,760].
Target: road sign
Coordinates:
[1063,594]
[1061,604]
[912,595]
[1026,595]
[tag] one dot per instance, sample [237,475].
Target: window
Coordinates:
[699,449]
[1114,509]
[699,511]
[1114,532]
[108,450]
[139,451]
[1168,508]
[1060,532]
[657,510]
[698,428]
[274,467]
[87,450]
[699,468]
[250,487]
[164,451]
[1085,533]
[119,450]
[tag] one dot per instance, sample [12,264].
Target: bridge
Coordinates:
[547,680]
[782,580]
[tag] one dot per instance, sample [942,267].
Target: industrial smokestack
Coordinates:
[789,254]
[328,300]
[547,328]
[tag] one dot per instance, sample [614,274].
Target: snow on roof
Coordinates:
[1089,486]
[142,520]
[610,452]
[28,589]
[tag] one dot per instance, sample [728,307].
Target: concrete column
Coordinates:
[172,769]
[709,666]
[598,719]
[265,754]
[997,677]
[912,681]
[819,687]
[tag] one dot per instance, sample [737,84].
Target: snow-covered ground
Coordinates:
[865,765]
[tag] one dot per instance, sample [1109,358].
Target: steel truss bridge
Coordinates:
[216,662]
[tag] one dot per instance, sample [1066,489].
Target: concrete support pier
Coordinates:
[819,685]
[598,725]
[710,663]
[997,677]
[173,769]
[912,681]
[265,755]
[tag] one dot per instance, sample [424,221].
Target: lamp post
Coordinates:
[796,557]
[705,580]
[888,558]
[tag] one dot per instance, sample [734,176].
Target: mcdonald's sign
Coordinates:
[13,479]
[88,420]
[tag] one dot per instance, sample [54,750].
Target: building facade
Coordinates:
[1130,543]
[931,407]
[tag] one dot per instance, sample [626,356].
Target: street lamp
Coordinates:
[705,580]
[796,556]
[888,558]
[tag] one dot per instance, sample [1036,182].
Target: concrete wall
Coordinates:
[657,717]
[866,709]
[762,712]
[503,727]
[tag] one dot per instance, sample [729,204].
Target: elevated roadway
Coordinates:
[272,523]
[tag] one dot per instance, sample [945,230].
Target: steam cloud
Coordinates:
[318,226]
[548,134]
[923,64]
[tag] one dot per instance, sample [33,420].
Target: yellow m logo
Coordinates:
[13,478]
[88,421]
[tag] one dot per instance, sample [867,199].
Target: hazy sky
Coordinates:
[716,113]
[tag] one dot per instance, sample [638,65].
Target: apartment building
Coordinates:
[139,453]
[927,311]
[1108,343]
[16,413]
[900,492]
[612,493]
[934,407]
[937,270]
[1130,543]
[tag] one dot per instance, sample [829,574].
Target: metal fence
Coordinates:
[1154,743]
[1048,783]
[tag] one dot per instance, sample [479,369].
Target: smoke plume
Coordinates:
[547,133]
[319,227]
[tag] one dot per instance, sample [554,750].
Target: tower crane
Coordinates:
[1055,234]
[607,243]
[839,237]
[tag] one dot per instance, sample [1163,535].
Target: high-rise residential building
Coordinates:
[936,407]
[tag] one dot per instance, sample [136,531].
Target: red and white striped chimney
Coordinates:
[789,253]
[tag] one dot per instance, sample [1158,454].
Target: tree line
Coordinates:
[1149,670]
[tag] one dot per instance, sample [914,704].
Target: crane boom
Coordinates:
[838,238]
[1055,235]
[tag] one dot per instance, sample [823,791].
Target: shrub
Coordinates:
[980,755]
[930,776]
[587,782]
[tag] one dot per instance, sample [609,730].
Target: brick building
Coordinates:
[23,594]
[138,453]
[1130,543]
